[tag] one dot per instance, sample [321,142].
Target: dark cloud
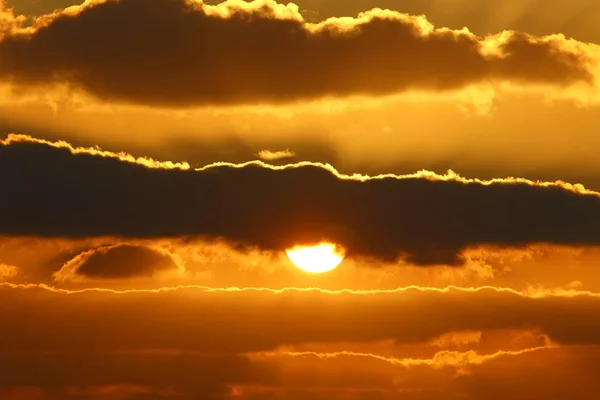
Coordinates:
[49,191]
[534,16]
[122,261]
[175,53]
[40,259]
[118,375]
[557,373]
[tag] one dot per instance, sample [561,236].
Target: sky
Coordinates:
[160,159]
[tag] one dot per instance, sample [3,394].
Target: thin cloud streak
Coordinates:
[441,359]
[533,293]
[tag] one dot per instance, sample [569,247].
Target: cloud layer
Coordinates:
[183,53]
[129,278]
[426,218]
[402,315]
[222,344]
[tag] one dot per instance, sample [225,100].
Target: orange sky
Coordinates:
[157,158]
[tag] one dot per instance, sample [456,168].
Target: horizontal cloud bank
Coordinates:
[189,343]
[183,52]
[62,192]
[273,319]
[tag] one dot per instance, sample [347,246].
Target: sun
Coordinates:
[316,259]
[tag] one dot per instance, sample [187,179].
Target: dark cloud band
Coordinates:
[49,191]
[181,53]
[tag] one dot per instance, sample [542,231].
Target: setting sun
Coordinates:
[316,259]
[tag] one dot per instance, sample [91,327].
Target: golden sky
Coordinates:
[160,158]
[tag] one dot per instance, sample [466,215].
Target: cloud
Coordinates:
[272,319]
[269,155]
[7,271]
[210,263]
[441,359]
[61,144]
[425,218]
[119,261]
[573,19]
[451,339]
[108,375]
[203,343]
[184,53]
[518,374]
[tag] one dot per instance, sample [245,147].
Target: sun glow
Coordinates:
[316,259]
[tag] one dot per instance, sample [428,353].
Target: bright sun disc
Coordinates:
[316,259]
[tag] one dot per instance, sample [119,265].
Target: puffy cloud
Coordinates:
[574,19]
[426,218]
[269,155]
[183,53]
[7,271]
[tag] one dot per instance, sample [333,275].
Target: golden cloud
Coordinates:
[7,271]
[268,155]
[186,53]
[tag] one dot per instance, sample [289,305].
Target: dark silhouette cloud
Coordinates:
[50,191]
[181,53]
[120,261]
